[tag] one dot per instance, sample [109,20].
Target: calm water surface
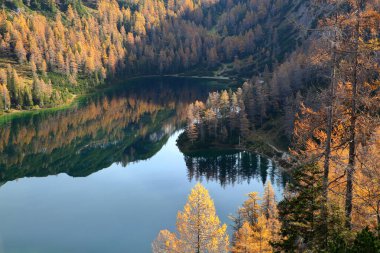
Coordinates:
[107,176]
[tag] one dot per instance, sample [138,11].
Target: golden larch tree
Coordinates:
[244,242]
[251,208]
[166,242]
[199,228]
[261,236]
[198,225]
[270,211]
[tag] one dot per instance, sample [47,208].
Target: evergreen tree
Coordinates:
[299,211]
[366,241]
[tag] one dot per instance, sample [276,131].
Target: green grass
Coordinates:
[7,117]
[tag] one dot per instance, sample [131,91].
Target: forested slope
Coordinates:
[51,50]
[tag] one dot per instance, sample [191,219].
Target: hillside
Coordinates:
[51,50]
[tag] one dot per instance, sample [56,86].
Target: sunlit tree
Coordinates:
[199,228]
[244,241]
[198,225]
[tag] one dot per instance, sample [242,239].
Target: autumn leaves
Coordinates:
[200,230]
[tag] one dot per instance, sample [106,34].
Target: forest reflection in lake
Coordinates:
[124,124]
[232,167]
[107,176]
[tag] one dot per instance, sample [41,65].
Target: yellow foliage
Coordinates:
[199,228]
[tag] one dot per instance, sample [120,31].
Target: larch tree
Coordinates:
[5,102]
[244,241]
[224,104]
[199,228]
[192,130]
[261,236]
[251,208]
[270,211]
[268,204]
[256,226]
[333,48]
[362,46]
[166,242]
[20,50]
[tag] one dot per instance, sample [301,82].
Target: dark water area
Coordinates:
[107,176]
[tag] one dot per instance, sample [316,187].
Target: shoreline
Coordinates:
[14,113]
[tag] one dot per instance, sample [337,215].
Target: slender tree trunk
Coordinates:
[326,165]
[330,119]
[352,143]
[378,216]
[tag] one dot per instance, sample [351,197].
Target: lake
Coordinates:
[107,175]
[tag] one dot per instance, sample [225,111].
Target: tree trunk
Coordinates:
[352,143]
[378,215]
[327,155]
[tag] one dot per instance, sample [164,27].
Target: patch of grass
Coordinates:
[15,114]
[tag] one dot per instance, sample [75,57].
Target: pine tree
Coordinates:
[300,209]
[14,85]
[27,97]
[366,241]
[254,232]
[233,114]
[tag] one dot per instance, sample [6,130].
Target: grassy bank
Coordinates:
[14,114]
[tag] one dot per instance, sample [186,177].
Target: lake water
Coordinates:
[107,176]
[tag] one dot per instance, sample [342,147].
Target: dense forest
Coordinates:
[51,50]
